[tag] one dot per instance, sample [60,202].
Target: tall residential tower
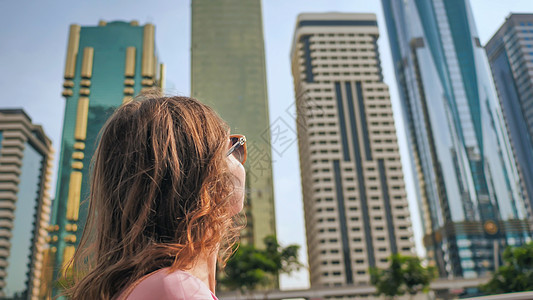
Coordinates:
[355,203]
[105,66]
[510,53]
[25,169]
[466,180]
[228,73]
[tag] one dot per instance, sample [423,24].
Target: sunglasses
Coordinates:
[238,147]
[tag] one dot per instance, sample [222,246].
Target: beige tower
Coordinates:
[354,195]
[25,170]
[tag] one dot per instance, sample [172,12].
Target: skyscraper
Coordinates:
[510,53]
[356,212]
[105,66]
[25,170]
[467,184]
[228,73]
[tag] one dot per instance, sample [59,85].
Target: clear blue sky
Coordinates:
[33,39]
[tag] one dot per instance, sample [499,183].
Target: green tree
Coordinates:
[516,274]
[250,267]
[405,274]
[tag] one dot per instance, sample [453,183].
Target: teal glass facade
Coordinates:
[467,184]
[106,65]
[19,260]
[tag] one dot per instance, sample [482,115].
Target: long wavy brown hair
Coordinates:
[160,195]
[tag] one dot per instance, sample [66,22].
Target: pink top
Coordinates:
[178,285]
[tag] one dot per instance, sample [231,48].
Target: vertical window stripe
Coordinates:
[342,221]
[386,201]
[308,61]
[361,182]
[342,122]
[362,114]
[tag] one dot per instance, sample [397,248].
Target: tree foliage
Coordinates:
[250,267]
[516,274]
[405,274]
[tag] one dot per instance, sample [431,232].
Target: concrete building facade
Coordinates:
[228,73]
[356,210]
[26,156]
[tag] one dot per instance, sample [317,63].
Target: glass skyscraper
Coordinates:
[25,169]
[510,53]
[467,183]
[229,74]
[105,66]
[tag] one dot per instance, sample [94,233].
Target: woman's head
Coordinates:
[163,192]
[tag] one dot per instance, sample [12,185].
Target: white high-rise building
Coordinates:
[26,155]
[355,202]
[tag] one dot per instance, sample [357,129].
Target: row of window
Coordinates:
[376,72]
[394,149]
[389,138]
[336,57]
[354,208]
[356,229]
[368,89]
[326,170]
[356,48]
[341,34]
[343,66]
[340,42]
[372,198]
[348,169]
[350,189]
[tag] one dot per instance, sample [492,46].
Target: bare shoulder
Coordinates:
[165,285]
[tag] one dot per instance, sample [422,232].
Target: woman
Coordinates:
[167,182]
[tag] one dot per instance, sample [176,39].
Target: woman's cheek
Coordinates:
[237,198]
